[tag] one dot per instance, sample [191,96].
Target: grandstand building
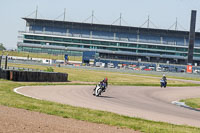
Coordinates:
[108,42]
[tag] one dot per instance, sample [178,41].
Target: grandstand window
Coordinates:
[197,50]
[113,44]
[123,44]
[128,50]
[58,39]
[32,42]
[48,38]
[28,37]
[78,46]
[44,50]
[183,54]
[55,44]
[142,51]
[105,43]
[178,54]
[170,53]
[161,47]
[132,45]
[99,47]
[36,50]
[113,49]
[86,41]
[67,40]
[196,55]
[96,42]
[29,49]
[142,46]
[76,40]
[170,48]
[181,49]
[55,51]
[152,46]
[86,46]
[42,43]
[39,38]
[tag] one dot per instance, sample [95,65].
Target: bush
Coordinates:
[49,69]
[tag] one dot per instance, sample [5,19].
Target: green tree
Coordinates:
[2,47]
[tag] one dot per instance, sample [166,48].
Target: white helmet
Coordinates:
[163,75]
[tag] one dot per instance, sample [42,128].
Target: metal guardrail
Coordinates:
[23,69]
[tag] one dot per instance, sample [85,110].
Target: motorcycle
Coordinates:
[98,90]
[163,83]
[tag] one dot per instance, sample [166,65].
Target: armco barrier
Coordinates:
[33,76]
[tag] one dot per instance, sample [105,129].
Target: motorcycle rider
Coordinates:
[164,79]
[103,84]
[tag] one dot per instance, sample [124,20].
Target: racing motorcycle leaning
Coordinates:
[98,90]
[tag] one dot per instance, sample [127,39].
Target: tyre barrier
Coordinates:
[33,76]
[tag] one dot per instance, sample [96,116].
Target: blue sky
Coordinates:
[162,13]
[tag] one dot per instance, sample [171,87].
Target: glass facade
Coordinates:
[107,45]
[58,37]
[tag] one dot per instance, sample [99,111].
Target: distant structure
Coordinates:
[109,43]
[191,37]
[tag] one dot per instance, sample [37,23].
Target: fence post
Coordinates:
[0,60]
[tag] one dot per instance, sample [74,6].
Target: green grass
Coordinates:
[114,78]
[40,55]
[11,99]
[192,102]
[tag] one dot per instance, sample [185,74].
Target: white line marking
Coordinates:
[182,104]
[16,91]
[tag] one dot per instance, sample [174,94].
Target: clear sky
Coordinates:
[163,13]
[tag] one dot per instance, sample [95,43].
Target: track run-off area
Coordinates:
[152,103]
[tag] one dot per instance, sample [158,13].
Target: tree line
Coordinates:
[2,47]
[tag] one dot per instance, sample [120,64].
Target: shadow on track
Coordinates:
[106,97]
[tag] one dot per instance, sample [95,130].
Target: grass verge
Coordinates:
[11,99]
[192,102]
[114,78]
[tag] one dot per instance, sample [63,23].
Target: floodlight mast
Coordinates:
[191,37]
[64,14]
[36,12]
[92,16]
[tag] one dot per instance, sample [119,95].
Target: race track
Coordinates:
[152,103]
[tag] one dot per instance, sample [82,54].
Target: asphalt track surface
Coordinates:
[152,103]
